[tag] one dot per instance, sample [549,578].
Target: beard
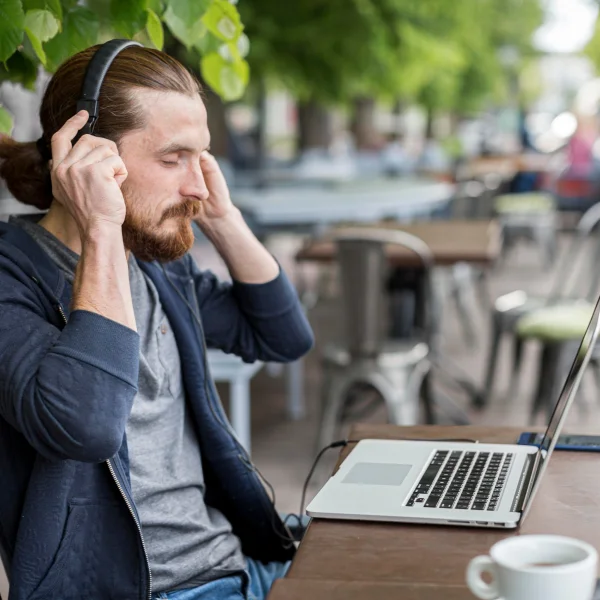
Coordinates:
[145,239]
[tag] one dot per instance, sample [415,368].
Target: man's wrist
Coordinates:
[226,224]
[99,231]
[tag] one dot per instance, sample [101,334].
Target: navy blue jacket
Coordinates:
[69,529]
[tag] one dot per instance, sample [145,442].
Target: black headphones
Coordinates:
[92,81]
[90,89]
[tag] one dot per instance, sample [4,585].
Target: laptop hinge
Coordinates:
[526,482]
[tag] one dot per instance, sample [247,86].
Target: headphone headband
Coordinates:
[94,76]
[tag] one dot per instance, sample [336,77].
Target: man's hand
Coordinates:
[218,204]
[247,259]
[87,177]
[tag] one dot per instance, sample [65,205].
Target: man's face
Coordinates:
[165,184]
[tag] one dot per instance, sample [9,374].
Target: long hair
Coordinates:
[22,164]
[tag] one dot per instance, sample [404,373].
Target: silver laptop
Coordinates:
[448,483]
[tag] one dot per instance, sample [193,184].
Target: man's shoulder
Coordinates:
[25,267]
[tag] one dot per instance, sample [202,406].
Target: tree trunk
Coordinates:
[398,124]
[315,126]
[363,123]
[261,131]
[219,136]
[429,124]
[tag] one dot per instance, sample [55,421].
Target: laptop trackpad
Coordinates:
[377,474]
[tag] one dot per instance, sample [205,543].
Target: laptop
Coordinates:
[449,483]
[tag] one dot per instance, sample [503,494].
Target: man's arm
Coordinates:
[256,321]
[86,181]
[70,391]
[102,278]
[259,316]
[246,258]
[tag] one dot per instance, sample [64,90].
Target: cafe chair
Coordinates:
[576,277]
[396,369]
[531,215]
[560,330]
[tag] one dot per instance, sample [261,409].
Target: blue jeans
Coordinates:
[254,584]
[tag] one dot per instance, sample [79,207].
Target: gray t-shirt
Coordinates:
[188,542]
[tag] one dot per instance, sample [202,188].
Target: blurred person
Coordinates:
[580,148]
[121,478]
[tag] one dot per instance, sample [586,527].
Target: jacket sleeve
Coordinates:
[254,321]
[68,392]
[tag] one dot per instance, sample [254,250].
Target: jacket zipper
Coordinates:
[62,312]
[137,524]
[123,494]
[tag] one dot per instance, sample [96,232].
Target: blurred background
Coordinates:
[426,172]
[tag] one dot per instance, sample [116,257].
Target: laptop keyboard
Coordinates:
[463,480]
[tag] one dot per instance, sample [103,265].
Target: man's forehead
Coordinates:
[172,117]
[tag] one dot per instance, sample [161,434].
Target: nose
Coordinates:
[194,185]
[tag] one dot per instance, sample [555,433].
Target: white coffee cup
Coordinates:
[535,567]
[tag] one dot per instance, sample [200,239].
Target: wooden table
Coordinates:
[309,589]
[450,242]
[367,556]
[508,166]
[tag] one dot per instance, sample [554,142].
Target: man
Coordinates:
[121,478]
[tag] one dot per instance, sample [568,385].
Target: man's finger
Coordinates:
[118,167]
[84,146]
[95,155]
[61,140]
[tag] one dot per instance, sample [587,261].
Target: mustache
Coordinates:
[188,208]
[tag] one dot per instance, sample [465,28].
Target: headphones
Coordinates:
[90,90]
[92,81]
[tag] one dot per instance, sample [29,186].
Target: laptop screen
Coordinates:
[567,395]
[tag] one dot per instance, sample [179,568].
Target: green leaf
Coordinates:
[208,43]
[20,69]
[102,10]
[51,5]
[156,6]
[42,24]
[12,21]
[36,45]
[228,79]
[6,121]
[128,17]
[223,21]
[187,32]
[155,29]
[189,11]
[80,30]
[243,45]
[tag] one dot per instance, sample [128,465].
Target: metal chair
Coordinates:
[395,369]
[559,329]
[531,215]
[509,308]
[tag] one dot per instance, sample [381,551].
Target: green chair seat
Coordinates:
[556,323]
[529,203]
